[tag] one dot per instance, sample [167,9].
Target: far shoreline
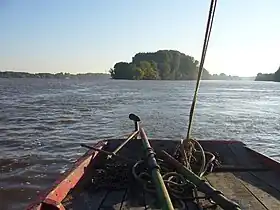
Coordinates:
[61,75]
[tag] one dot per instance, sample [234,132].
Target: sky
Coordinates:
[91,36]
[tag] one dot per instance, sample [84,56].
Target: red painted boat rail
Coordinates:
[53,198]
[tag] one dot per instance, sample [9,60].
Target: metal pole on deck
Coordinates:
[161,190]
[201,185]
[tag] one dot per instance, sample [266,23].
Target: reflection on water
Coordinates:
[43,122]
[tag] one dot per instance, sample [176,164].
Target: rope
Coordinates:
[179,188]
[187,144]
[203,55]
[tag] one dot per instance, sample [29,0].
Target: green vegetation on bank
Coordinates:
[163,65]
[61,75]
[269,77]
[223,76]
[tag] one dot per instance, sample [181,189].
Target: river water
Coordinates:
[43,122]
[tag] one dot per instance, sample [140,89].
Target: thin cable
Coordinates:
[203,55]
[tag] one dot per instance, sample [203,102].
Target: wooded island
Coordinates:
[162,65]
[269,77]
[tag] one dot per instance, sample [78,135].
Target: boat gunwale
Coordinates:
[48,195]
[274,164]
[91,154]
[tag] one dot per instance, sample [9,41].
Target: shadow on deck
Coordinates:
[251,189]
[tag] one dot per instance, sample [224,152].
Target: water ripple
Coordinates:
[43,122]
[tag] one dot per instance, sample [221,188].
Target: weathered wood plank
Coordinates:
[221,150]
[271,178]
[236,154]
[263,185]
[85,200]
[151,201]
[234,190]
[266,194]
[266,199]
[241,156]
[134,199]
[113,200]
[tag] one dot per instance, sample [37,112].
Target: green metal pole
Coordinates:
[161,190]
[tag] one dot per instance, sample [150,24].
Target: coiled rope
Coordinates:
[187,143]
[179,188]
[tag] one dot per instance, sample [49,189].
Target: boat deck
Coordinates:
[258,190]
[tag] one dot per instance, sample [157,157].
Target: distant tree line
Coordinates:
[269,77]
[161,65]
[61,75]
[223,76]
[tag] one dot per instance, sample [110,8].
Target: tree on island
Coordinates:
[163,65]
[264,77]
[277,75]
[269,77]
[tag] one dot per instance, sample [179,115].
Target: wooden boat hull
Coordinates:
[251,189]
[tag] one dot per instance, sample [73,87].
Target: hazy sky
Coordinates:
[90,36]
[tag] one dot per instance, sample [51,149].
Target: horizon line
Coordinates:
[106,72]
